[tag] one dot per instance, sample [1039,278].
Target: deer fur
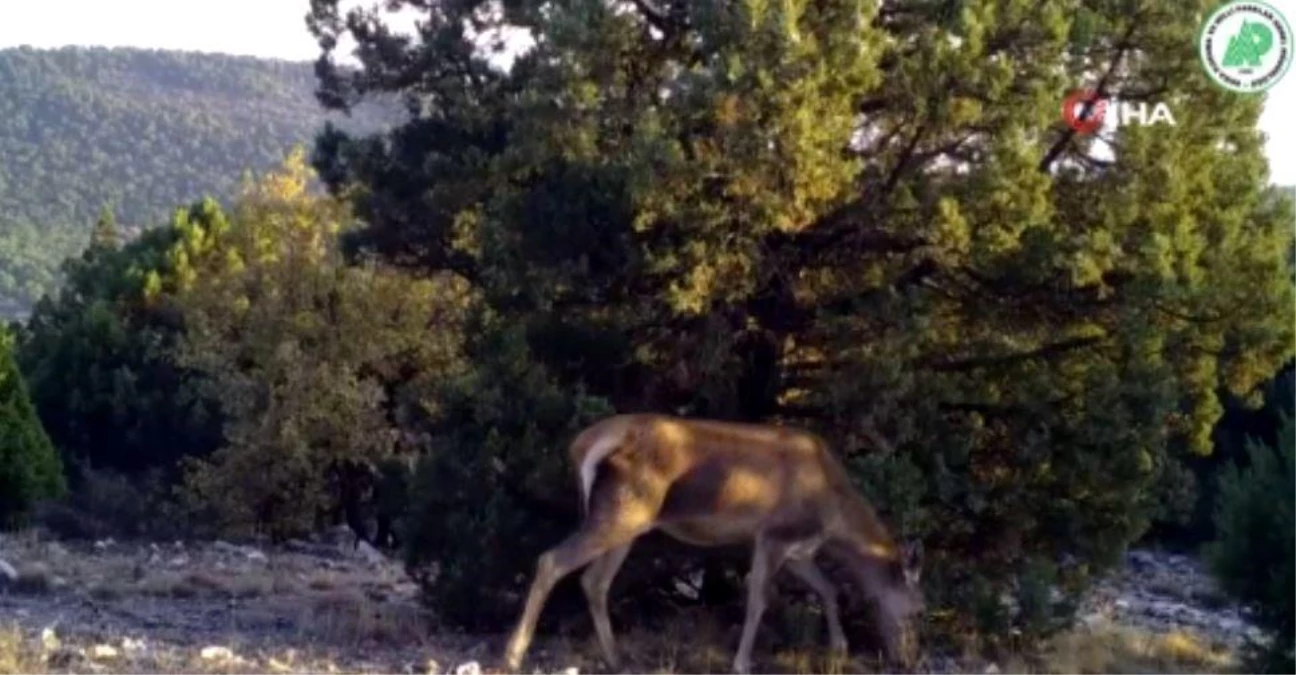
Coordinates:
[710,483]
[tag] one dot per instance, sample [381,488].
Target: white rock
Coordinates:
[991,669]
[571,670]
[216,653]
[179,561]
[104,544]
[104,652]
[469,668]
[369,554]
[7,572]
[1092,620]
[49,641]
[132,645]
[1142,559]
[255,556]
[225,547]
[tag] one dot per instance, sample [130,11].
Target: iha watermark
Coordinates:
[1086,112]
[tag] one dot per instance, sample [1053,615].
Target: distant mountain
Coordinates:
[141,131]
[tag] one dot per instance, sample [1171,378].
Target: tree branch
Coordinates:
[1161,307]
[870,431]
[1044,352]
[1122,47]
[654,15]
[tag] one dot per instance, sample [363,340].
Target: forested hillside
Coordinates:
[141,131]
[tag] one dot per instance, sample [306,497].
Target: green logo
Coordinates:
[1251,42]
[1246,46]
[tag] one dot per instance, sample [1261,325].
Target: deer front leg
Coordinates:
[809,573]
[596,580]
[899,637]
[766,559]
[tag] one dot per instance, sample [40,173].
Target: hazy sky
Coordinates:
[275,28]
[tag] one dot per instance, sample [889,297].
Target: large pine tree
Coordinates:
[868,218]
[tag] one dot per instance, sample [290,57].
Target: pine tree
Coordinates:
[30,469]
[105,235]
[1255,555]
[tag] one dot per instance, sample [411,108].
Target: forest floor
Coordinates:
[321,607]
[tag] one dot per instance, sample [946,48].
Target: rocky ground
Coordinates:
[325,606]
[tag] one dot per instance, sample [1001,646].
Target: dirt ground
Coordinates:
[323,607]
[216,607]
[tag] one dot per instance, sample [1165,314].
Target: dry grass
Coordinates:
[348,617]
[1124,650]
[33,579]
[700,645]
[200,583]
[15,655]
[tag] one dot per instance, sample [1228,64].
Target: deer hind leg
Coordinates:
[596,581]
[767,557]
[809,573]
[617,516]
[576,551]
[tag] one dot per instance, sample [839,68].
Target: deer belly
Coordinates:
[716,504]
[712,530]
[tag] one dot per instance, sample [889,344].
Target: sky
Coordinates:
[276,29]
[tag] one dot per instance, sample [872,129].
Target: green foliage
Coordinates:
[391,500]
[140,130]
[110,504]
[472,496]
[1185,494]
[143,130]
[97,358]
[30,470]
[305,355]
[1190,492]
[1254,557]
[30,257]
[871,222]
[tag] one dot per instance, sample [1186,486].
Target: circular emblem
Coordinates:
[1073,110]
[1245,46]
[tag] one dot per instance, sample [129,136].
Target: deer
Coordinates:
[710,483]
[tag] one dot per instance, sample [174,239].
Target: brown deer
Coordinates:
[709,483]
